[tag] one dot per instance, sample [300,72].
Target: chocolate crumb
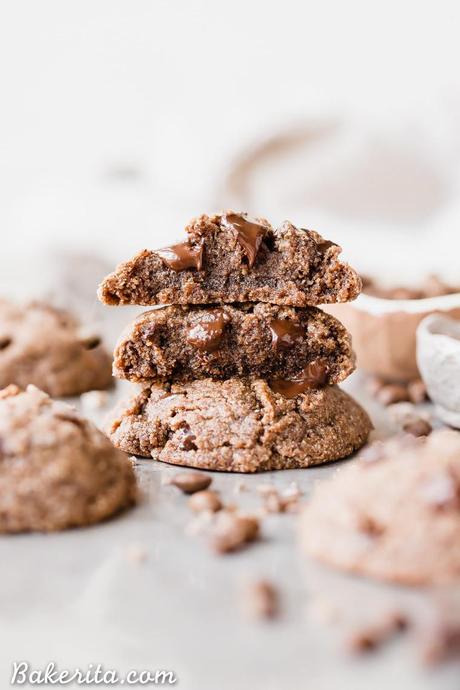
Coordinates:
[205,500]
[371,638]
[191,482]
[392,393]
[418,427]
[233,531]
[261,600]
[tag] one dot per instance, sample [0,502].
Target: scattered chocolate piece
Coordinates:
[261,600]
[417,391]
[392,393]
[418,427]
[191,482]
[232,531]
[371,638]
[205,500]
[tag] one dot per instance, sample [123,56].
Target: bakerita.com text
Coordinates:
[94,674]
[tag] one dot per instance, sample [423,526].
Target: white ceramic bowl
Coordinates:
[438,357]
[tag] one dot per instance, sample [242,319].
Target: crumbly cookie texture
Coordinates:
[47,347]
[57,470]
[231,258]
[394,515]
[239,425]
[186,343]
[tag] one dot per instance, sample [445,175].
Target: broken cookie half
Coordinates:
[57,470]
[230,257]
[182,343]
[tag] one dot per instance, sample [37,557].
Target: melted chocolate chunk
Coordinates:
[178,257]
[285,333]
[207,333]
[249,234]
[313,376]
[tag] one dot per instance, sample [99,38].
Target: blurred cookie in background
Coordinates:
[49,348]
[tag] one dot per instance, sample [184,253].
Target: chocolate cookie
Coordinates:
[394,515]
[46,347]
[187,343]
[239,425]
[56,469]
[231,258]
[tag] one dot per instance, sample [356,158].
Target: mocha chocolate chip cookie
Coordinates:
[47,347]
[263,340]
[57,470]
[394,515]
[239,425]
[229,257]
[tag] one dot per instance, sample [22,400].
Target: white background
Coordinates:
[119,120]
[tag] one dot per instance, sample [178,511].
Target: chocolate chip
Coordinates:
[181,256]
[418,427]
[191,482]
[5,342]
[313,376]
[206,335]
[205,500]
[249,234]
[91,343]
[187,439]
[369,526]
[392,393]
[285,333]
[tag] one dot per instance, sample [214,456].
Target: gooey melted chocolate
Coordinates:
[313,376]
[285,333]
[180,256]
[249,234]
[207,333]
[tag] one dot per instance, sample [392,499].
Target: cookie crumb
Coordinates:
[392,393]
[371,638]
[418,427]
[136,553]
[205,500]
[417,391]
[191,482]
[261,600]
[233,531]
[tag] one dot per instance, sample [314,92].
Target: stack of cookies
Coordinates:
[239,372]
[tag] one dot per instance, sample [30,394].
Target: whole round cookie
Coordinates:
[47,347]
[57,470]
[239,425]
[393,515]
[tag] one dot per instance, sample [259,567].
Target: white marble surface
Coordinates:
[79,597]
